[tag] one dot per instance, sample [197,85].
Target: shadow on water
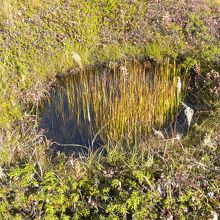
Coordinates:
[115,101]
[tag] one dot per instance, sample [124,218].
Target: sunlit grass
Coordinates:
[119,102]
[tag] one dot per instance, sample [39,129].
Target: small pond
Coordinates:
[110,103]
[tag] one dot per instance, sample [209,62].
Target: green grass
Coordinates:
[151,180]
[38,39]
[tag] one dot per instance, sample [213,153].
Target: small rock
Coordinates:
[184,119]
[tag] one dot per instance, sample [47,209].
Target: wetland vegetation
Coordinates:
[119,102]
[108,72]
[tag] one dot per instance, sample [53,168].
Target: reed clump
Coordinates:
[117,102]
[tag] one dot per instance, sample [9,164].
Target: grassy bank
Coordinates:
[161,179]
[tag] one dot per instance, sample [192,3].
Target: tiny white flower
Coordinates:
[185,209]
[211,194]
[89,199]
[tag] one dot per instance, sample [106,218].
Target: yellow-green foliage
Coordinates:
[121,101]
[37,39]
[153,180]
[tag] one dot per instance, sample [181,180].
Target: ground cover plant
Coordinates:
[155,179]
